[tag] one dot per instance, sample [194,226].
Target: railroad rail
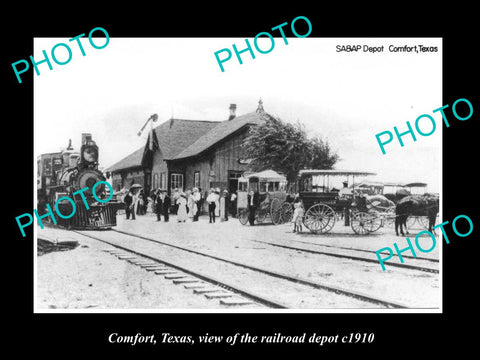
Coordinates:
[364,250]
[293,279]
[351,257]
[193,276]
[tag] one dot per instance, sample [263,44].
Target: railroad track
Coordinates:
[298,281]
[211,287]
[352,257]
[364,250]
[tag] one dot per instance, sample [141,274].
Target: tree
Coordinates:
[285,148]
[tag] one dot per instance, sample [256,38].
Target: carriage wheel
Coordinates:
[243,216]
[319,218]
[424,221]
[374,222]
[360,223]
[411,221]
[276,211]
[287,212]
[389,217]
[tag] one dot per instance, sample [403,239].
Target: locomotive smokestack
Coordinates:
[86,137]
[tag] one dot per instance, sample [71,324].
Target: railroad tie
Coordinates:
[218,295]
[166,272]
[206,290]
[154,267]
[126,257]
[142,262]
[116,252]
[199,285]
[175,276]
[235,301]
[185,281]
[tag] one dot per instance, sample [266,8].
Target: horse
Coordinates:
[416,205]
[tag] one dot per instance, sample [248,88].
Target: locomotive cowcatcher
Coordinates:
[62,174]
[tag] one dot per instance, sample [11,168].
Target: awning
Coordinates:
[369,184]
[267,175]
[335,172]
[416,184]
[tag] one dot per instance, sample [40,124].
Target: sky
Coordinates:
[345,98]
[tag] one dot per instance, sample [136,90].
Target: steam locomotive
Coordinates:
[63,173]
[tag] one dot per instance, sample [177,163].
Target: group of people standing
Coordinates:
[136,203]
[189,204]
[219,204]
[185,205]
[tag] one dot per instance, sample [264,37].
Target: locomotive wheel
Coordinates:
[243,216]
[276,211]
[287,212]
[360,223]
[319,218]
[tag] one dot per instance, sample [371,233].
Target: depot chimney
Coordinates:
[233,108]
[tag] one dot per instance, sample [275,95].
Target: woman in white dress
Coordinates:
[182,208]
[192,210]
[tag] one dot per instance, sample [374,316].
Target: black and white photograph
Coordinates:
[239,179]
[290,181]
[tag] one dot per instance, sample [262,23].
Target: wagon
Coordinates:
[272,197]
[383,210]
[323,203]
[400,190]
[417,188]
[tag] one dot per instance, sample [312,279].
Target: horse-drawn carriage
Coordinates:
[417,188]
[323,203]
[394,192]
[270,197]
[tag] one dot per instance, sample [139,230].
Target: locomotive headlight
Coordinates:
[90,154]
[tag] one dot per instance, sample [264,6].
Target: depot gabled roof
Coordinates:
[173,136]
[176,135]
[180,139]
[220,132]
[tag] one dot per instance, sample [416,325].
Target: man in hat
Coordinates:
[345,192]
[212,200]
[253,202]
[129,201]
[166,205]
[159,204]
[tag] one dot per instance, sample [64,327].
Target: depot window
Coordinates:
[176,181]
[196,179]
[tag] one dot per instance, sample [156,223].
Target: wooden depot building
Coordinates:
[191,153]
